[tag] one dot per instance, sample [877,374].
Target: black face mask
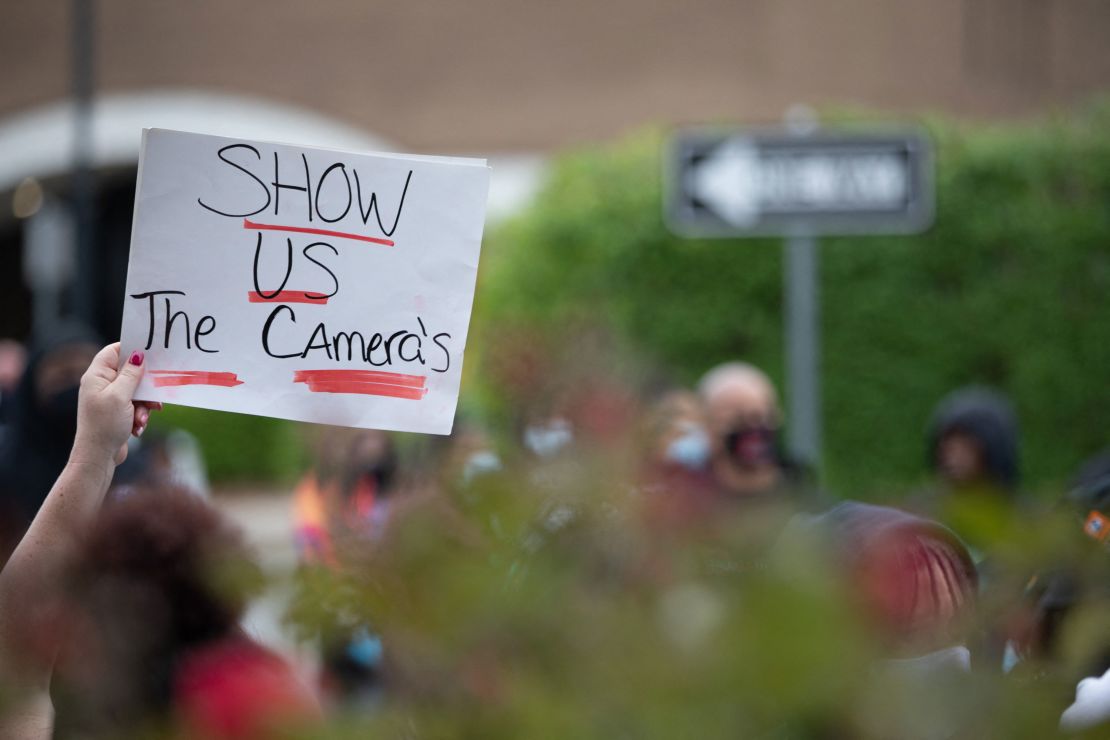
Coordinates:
[381,473]
[751,446]
[59,414]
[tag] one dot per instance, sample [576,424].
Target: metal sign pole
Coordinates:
[802,342]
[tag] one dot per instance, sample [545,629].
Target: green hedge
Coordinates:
[239,448]
[1011,287]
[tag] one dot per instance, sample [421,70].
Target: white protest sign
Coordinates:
[303,283]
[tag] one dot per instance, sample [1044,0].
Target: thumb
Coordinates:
[130,375]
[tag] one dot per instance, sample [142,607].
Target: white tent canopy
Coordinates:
[40,143]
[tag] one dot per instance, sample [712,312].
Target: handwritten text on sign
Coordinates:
[303,283]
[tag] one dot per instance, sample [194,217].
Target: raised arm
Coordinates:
[28,584]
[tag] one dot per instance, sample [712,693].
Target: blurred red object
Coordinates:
[239,690]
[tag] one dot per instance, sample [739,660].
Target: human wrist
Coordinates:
[97,472]
[86,454]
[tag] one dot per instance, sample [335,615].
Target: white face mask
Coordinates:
[690,449]
[482,462]
[547,439]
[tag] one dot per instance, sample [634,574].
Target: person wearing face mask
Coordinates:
[743,419]
[676,481]
[43,422]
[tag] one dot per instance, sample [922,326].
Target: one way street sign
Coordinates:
[774,183]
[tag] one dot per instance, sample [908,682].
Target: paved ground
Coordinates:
[265,516]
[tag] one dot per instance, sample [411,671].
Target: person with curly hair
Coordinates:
[122,617]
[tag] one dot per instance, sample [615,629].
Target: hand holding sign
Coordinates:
[303,283]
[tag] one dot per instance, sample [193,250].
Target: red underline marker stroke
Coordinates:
[163,378]
[248,224]
[289,296]
[367,382]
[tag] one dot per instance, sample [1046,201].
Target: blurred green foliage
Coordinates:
[240,448]
[1010,288]
[538,602]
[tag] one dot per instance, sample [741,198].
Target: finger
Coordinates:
[141,414]
[106,362]
[143,410]
[108,355]
[130,374]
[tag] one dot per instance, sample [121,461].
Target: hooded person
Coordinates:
[972,442]
[40,433]
[972,449]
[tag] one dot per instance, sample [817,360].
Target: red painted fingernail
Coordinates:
[136,358]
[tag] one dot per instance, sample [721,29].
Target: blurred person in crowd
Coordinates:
[678,484]
[346,498]
[470,454]
[13,359]
[1064,597]
[170,459]
[679,437]
[914,577]
[40,430]
[342,507]
[972,451]
[744,423]
[915,585]
[546,438]
[123,618]
[972,448]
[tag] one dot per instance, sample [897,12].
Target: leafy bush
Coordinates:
[1011,288]
[547,600]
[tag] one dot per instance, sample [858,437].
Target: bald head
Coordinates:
[737,393]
